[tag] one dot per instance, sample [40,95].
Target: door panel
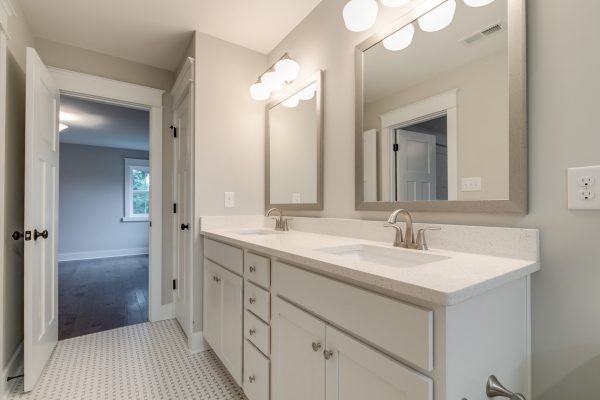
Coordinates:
[231,323]
[357,372]
[41,214]
[298,370]
[183,199]
[416,166]
[212,305]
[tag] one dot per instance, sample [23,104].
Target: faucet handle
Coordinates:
[399,235]
[421,240]
[285,225]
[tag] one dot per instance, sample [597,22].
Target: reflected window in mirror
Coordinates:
[294,135]
[435,121]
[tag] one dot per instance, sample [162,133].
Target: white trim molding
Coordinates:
[141,97]
[197,343]
[13,368]
[421,111]
[128,191]
[6,10]
[92,255]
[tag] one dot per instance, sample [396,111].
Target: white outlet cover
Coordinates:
[229,199]
[583,186]
[471,184]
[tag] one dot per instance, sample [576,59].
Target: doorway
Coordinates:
[104,203]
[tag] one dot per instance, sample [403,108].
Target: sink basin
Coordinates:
[257,231]
[391,257]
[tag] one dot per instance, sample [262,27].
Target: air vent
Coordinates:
[490,30]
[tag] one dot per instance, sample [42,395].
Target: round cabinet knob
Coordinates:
[252,268]
[252,300]
[316,346]
[252,331]
[251,378]
[327,354]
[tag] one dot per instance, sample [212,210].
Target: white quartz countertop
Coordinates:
[446,282]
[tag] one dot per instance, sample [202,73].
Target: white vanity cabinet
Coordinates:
[223,317]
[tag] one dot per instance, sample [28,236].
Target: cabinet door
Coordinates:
[297,343]
[357,372]
[212,306]
[231,323]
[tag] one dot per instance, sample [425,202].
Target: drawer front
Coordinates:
[401,329]
[225,255]
[258,332]
[257,269]
[257,300]
[256,373]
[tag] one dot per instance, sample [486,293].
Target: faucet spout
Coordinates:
[408,241]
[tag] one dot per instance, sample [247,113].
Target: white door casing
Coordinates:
[41,215]
[370,165]
[415,166]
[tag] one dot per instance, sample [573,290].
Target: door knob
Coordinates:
[17,235]
[495,389]
[37,234]
[185,226]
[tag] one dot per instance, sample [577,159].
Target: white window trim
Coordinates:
[128,193]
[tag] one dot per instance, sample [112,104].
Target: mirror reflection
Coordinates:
[436,108]
[293,145]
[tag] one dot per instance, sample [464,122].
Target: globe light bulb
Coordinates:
[272,81]
[438,18]
[308,92]
[259,91]
[396,3]
[291,102]
[360,15]
[287,69]
[478,3]
[401,39]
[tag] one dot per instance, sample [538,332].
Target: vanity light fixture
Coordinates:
[401,39]
[438,18]
[360,15]
[305,94]
[396,3]
[62,127]
[478,3]
[285,70]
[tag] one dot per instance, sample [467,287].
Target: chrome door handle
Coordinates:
[495,389]
[316,346]
[37,234]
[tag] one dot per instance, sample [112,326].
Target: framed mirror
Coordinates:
[441,110]
[294,148]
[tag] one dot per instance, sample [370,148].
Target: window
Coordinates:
[137,190]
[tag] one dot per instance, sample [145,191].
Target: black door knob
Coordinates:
[185,226]
[37,234]
[17,235]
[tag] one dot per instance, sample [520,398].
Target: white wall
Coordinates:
[229,140]
[91,203]
[563,100]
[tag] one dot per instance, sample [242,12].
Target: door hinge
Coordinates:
[396,147]
[174,284]
[174,129]
[174,208]
[150,224]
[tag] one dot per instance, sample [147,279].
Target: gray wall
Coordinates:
[91,203]
[563,99]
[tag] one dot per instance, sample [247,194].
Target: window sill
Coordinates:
[135,219]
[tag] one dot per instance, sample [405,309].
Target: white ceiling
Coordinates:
[99,124]
[156,32]
[430,54]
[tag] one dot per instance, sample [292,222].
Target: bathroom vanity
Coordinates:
[331,310]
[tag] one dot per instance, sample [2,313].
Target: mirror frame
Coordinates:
[289,91]
[517,201]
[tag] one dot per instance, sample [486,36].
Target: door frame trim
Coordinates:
[110,91]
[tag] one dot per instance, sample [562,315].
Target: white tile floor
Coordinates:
[145,361]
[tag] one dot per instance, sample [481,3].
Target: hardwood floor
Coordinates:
[101,294]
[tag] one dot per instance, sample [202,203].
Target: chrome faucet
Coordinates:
[407,239]
[281,223]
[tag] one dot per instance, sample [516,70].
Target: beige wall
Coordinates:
[563,87]
[229,141]
[482,117]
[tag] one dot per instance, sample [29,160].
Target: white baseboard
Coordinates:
[197,343]
[90,255]
[164,312]
[14,367]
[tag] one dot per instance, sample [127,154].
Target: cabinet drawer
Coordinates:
[257,332]
[257,301]
[256,373]
[257,269]
[225,255]
[401,329]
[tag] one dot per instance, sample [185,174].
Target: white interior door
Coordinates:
[41,219]
[183,219]
[415,166]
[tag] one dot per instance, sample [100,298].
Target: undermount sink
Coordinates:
[391,257]
[257,231]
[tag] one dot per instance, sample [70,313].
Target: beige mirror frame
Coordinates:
[517,201]
[292,89]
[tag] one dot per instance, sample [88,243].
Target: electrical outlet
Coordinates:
[229,199]
[583,188]
[471,184]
